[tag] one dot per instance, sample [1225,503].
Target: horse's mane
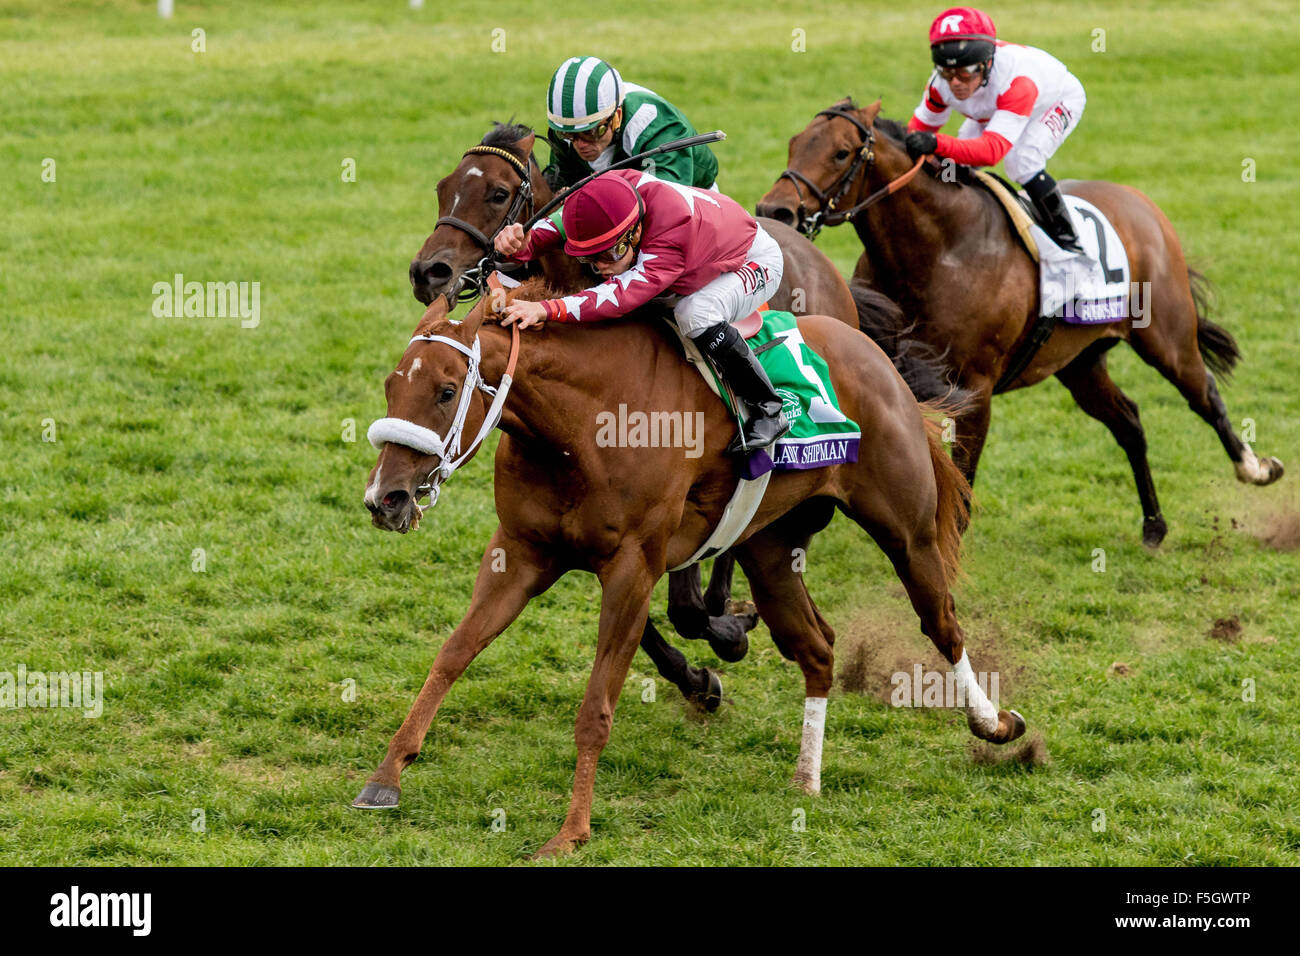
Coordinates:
[505,135]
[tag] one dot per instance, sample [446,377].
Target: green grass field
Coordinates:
[224,687]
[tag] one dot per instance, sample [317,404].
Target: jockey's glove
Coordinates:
[920,142]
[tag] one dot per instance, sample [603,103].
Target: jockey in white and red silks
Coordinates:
[1020,104]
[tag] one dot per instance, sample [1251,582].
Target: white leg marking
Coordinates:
[808,772]
[980,712]
[1249,468]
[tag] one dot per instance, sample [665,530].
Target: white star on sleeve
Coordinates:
[573,304]
[637,272]
[606,292]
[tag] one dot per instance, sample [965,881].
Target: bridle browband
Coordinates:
[470,283]
[829,198]
[401,431]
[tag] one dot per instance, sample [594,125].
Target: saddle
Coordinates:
[1018,209]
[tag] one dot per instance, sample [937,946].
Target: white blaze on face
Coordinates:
[415,367]
[372,488]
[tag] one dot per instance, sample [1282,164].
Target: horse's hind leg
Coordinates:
[692,619]
[1097,394]
[913,547]
[699,685]
[1175,341]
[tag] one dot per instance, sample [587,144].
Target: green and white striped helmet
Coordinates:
[584,92]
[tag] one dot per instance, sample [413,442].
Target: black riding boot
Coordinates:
[1047,199]
[738,366]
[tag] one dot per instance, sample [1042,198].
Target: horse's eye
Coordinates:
[500,196]
[447,395]
[841,156]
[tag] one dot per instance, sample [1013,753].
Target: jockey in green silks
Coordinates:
[596,119]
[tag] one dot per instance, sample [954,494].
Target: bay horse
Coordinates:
[626,514]
[499,182]
[946,253]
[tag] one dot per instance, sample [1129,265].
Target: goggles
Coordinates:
[612,254]
[590,135]
[951,73]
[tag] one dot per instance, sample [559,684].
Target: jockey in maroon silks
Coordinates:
[1020,104]
[693,249]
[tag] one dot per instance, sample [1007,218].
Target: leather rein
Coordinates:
[471,284]
[829,198]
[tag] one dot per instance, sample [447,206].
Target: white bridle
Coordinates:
[399,431]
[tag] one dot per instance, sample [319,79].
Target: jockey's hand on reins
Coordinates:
[510,239]
[920,142]
[527,314]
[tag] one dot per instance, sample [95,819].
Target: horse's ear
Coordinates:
[472,322]
[525,145]
[435,313]
[869,114]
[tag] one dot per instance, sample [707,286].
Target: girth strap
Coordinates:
[1035,340]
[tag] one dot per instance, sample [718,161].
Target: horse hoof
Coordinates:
[728,639]
[1014,724]
[1275,470]
[711,699]
[1153,532]
[377,796]
[745,609]
[559,845]
[809,785]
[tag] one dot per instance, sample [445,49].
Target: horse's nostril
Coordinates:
[439,271]
[781,215]
[393,501]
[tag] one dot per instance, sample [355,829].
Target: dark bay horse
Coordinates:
[483,194]
[625,514]
[499,182]
[947,255]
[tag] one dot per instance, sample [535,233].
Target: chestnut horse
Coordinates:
[626,514]
[499,182]
[945,252]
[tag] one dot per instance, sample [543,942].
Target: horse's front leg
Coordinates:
[624,608]
[500,593]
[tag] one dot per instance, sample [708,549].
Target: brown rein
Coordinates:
[888,189]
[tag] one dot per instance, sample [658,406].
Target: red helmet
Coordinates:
[962,36]
[599,214]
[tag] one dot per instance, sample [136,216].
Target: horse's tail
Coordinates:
[922,366]
[952,513]
[1218,348]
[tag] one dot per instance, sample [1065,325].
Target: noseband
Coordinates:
[827,214]
[401,431]
[470,284]
[827,199]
